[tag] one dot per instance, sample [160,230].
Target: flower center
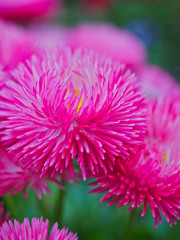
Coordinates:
[159,151]
[80,102]
[165,157]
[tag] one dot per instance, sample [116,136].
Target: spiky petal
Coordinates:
[36,230]
[14,178]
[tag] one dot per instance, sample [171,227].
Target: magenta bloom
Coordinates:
[152,176]
[13,177]
[36,230]
[106,39]
[27,9]
[16,45]
[3,216]
[157,83]
[71,105]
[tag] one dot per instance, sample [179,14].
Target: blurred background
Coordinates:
[157,24]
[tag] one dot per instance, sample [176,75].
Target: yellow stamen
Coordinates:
[164,158]
[80,102]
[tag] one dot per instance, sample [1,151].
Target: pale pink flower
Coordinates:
[16,45]
[157,83]
[27,9]
[36,230]
[3,216]
[71,105]
[106,39]
[14,178]
[152,176]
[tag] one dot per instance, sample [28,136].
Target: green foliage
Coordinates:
[92,220]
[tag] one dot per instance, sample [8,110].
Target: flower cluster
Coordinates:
[73,103]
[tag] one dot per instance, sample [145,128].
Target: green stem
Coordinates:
[43,209]
[10,205]
[128,231]
[59,206]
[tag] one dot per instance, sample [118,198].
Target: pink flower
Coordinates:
[13,177]
[106,39]
[16,45]
[157,83]
[152,176]
[3,216]
[27,9]
[68,105]
[36,230]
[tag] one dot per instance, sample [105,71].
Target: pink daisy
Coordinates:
[14,178]
[3,216]
[27,9]
[36,230]
[157,83]
[152,176]
[16,45]
[72,104]
[107,39]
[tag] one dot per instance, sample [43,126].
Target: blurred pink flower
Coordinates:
[3,216]
[71,105]
[27,9]
[106,39]
[157,83]
[16,45]
[14,178]
[152,176]
[163,123]
[49,37]
[36,230]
